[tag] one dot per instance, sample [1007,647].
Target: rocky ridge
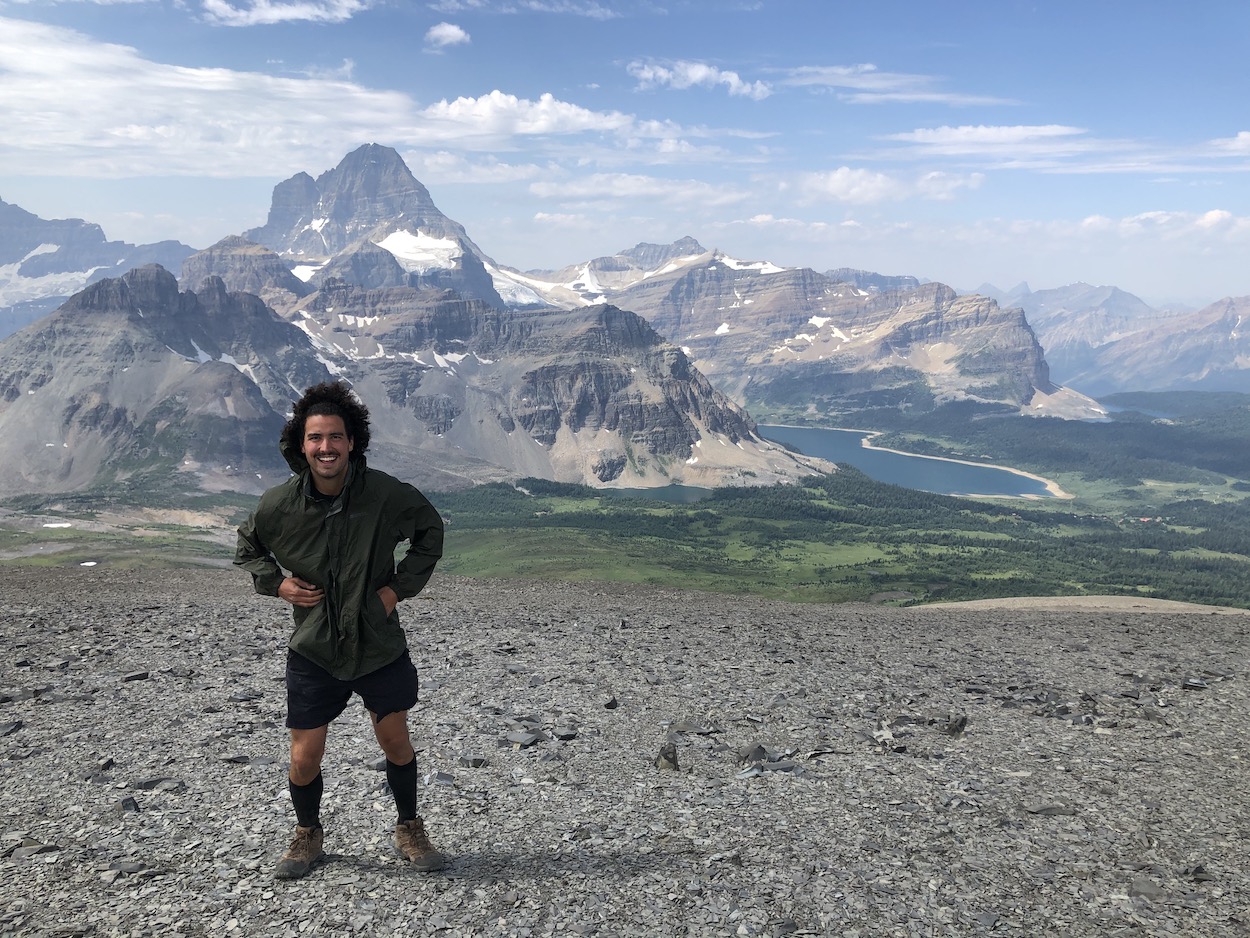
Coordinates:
[371,187]
[790,339]
[604,760]
[1074,322]
[370,221]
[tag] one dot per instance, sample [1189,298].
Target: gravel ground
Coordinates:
[840,770]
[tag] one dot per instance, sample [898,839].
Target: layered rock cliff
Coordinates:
[589,395]
[777,339]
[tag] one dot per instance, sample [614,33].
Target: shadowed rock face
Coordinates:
[596,387]
[243,266]
[370,266]
[589,378]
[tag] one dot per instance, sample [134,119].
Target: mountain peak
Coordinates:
[653,255]
[371,186]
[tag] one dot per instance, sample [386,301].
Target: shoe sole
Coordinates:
[417,865]
[299,874]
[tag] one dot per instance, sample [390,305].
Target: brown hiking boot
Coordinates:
[414,845]
[304,853]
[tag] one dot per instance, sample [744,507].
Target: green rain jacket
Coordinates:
[347,547]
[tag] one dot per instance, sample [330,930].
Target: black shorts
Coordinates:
[314,696]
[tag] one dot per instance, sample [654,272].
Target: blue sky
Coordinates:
[1104,141]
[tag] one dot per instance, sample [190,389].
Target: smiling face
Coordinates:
[326,446]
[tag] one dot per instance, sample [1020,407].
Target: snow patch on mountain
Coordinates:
[15,288]
[764,267]
[420,253]
[598,281]
[516,289]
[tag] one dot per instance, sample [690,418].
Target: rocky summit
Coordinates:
[608,760]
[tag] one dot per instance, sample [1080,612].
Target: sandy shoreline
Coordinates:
[1052,486]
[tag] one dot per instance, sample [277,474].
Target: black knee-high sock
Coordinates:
[307,802]
[403,782]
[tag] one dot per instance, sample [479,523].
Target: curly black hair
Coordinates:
[329,399]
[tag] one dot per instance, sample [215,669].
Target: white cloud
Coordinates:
[866,186]
[501,114]
[343,73]
[1021,146]
[982,135]
[944,186]
[1217,219]
[683,74]
[1193,227]
[862,77]
[1102,237]
[73,106]
[765,220]
[1235,146]
[868,85]
[444,166]
[844,184]
[567,221]
[268,12]
[443,35]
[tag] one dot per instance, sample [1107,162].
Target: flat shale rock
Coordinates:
[610,760]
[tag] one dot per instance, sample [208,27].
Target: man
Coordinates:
[334,526]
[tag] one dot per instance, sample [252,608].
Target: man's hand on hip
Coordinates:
[300,592]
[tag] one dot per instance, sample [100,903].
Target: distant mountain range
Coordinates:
[1104,341]
[629,370]
[43,262]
